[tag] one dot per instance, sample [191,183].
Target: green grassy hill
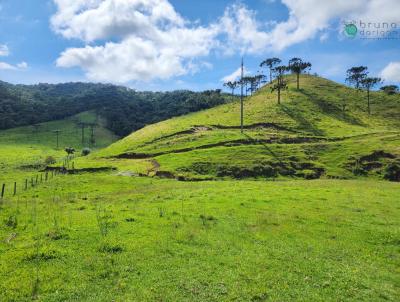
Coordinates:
[307,136]
[23,150]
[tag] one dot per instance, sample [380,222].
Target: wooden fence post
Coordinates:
[2,190]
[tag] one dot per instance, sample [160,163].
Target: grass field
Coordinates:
[138,239]
[121,226]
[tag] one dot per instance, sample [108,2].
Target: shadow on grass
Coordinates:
[266,147]
[304,123]
[333,110]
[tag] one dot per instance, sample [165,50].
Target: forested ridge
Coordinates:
[125,109]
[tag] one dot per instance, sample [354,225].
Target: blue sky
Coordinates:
[181,44]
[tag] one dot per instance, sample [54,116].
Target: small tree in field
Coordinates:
[70,151]
[280,84]
[356,74]
[231,85]
[270,63]
[297,66]
[368,84]
[390,89]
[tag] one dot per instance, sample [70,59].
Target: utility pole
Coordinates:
[83,132]
[92,139]
[241,99]
[57,132]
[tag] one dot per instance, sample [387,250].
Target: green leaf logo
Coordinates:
[350,30]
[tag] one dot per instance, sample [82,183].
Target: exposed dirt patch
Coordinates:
[376,155]
[165,174]
[268,169]
[256,126]
[238,142]
[378,162]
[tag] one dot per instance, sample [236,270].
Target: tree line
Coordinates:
[276,71]
[125,110]
[357,76]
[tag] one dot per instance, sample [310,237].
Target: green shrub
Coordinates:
[392,171]
[86,151]
[50,160]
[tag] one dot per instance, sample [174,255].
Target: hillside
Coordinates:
[124,109]
[307,136]
[23,150]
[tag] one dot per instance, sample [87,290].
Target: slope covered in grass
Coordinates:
[308,135]
[24,149]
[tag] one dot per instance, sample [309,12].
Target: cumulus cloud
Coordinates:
[4,51]
[234,76]
[90,20]
[151,39]
[7,66]
[22,65]
[307,19]
[134,40]
[391,72]
[243,32]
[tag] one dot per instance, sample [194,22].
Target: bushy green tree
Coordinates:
[270,63]
[356,74]
[281,84]
[390,89]
[297,66]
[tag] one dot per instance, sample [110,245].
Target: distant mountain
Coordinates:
[124,109]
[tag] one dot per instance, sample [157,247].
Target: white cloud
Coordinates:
[307,19]
[242,30]
[234,76]
[150,39]
[4,51]
[22,65]
[391,72]
[135,40]
[90,20]
[7,66]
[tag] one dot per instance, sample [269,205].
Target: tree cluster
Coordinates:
[125,110]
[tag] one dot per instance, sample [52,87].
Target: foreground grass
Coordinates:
[142,239]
